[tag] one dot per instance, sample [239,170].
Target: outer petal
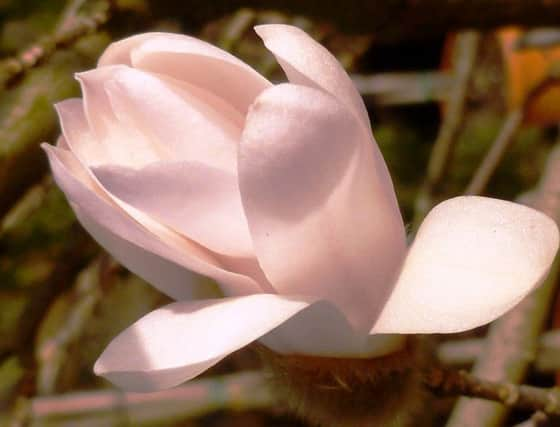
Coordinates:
[123,145]
[171,129]
[118,53]
[199,201]
[177,342]
[169,277]
[62,144]
[132,243]
[97,108]
[473,259]
[91,152]
[183,122]
[77,134]
[307,63]
[317,226]
[193,61]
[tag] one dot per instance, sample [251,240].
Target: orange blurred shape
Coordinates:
[526,68]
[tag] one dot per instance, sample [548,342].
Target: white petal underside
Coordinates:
[473,259]
[179,341]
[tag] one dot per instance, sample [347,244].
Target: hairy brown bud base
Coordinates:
[339,392]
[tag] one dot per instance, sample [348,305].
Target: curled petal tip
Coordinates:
[46,146]
[98,368]
[81,75]
[262,29]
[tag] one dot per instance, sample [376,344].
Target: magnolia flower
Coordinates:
[181,158]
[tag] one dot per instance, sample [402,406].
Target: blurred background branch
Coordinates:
[71,29]
[465,45]
[391,20]
[238,392]
[445,381]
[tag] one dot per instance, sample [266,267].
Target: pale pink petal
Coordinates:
[169,277]
[247,266]
[62,144]
[199,201]
[133,241]
[77,133]
[473,259]
[118,53]
[83,145]
[97,109]
[318,225]
[178,342]
[197,63]
[322,330]
[121,144]
[306,62]
[183,122]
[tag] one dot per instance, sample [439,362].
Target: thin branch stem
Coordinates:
[69,33]
[400,88]
[465,352]
[52,350]
[505,138]
[234,29]
[29,203]
[452,382]
[112,407]
[496,153]
[464,57]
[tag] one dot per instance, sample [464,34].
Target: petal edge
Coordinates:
[474,258]
[181,340]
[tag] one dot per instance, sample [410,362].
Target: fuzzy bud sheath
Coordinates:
[337,392]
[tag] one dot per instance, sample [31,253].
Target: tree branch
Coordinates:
[453,383]
[497,151]
[464,352]
[402,88]
[464,56]
[52,349]
[71,30]
[505,138]
[110,407]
